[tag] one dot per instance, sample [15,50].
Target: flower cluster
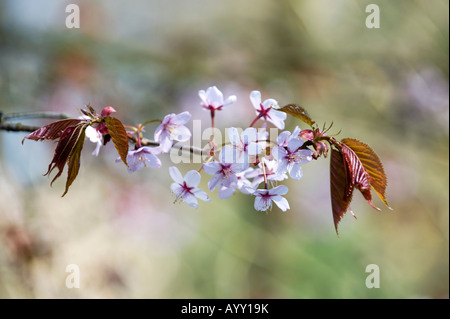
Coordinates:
[252,162]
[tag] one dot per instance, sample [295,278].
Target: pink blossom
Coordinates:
[186,188]
[291,157]
[242,145]
[264,198]
[142,157]
[172,129]
[213,100]
[267,110]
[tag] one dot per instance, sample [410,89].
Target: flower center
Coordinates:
[226,171]
[212,107]
[171,129]
[186,189]
[264,112]
[294,157]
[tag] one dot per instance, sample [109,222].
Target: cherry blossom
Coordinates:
[224,176]
[172,129]
[142,157]
[264,198]
[242,145]
[267,110]
[243,184]
[291,157]
[185,188]
[285,137]
[213,100]
[270,171]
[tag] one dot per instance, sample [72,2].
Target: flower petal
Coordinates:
[270,103]
[168,119]
[282,139]
[306,156]
[214,96]
[279,190]
[180,133]
[97,148]
[230,100]
[262,204]
[296,132]
[249,135]
[281,202]
[176,189]
[277,118]
[237,167]
[201,195]
[296,171]
[174,172]
[282,167]
[226,192]
[214,182]
[203,97]
[247,189]
[228,154]
[233,135]
[165,143]
[192,178]
[254,148]
[93,135]
[255,98]
[190,200]
[294,144]
[212,168]
[182,118]
[152,161]
[158,131]
[134,164]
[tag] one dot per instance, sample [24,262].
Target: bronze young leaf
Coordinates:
[372,164]
[119,136]
[341,187]
[298,112]
[360,178]
[74,160]
[52,131]
[68,146]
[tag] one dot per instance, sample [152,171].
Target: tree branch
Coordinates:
[19,127]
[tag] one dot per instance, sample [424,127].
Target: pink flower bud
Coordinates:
[107,111]
[307,134]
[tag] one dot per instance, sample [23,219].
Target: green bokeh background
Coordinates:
[387,87]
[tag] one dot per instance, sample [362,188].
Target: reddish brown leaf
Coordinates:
[74,160]
[119,136]
[52,131]
[64,149]
[360,178]
[372,164]
[298,112]
[340,186]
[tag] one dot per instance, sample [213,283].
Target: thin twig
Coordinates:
[35,115]
[18,127]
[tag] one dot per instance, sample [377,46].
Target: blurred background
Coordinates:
[387,87]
